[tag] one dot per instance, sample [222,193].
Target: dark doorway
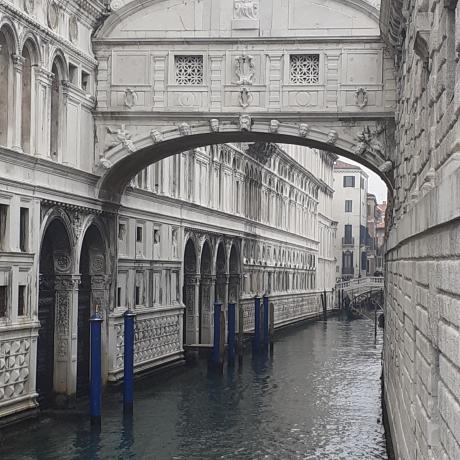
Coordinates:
[55,242]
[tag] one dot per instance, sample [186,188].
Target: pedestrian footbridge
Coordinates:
[358,286]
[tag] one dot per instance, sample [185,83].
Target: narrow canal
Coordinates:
[317,397]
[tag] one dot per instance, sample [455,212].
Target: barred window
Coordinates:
[189,70]
[304,69]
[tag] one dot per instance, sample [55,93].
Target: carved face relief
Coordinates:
[184,129]
[245,122]
[304,129]
[332,137]
[274,126]
[214,124]
[156,136]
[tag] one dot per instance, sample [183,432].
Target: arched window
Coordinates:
[6,88]
[26,103]
[56,127]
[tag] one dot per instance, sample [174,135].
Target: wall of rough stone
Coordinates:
[422,335]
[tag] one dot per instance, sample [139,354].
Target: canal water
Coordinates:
[317,397]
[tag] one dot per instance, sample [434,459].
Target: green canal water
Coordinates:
[317,397]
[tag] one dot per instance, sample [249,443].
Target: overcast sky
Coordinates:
[376,185]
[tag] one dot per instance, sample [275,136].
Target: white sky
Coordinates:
[376,185]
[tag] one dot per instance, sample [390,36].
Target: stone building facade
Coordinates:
[224,222]
[350,212]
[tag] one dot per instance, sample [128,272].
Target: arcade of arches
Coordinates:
[161,164]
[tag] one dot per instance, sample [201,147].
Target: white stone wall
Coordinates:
[421,356]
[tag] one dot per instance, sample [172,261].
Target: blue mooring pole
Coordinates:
[128,377]
[216,344]
[256,342]
[231,332]
[95,370]
[266,325]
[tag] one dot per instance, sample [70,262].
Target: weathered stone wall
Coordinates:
[422,339]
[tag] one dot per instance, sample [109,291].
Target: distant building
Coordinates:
[371,236]
[380,237]
[350,212]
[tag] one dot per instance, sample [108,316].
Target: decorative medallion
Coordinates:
[53,14]
[245,98]
[62,261]
[361,98]
[246,9]
[130,98]
[245,69]
[73,29]
[29,6]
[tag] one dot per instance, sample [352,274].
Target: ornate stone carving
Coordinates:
[14,368]
[332,137]
[62,312]
[156,136]
[368,143]
[184,129]
[245,98]
[245,122]
[73,29]
[386,167]
[77,223]
[261,151]
[130,98]
[214,125]
[29,6]
[361,98]
[53,14]
[62,261]
[246,9]
[274,126]
[97,263]
[104,163]
[245,69]
[154,338]
[119,136]
[304,129]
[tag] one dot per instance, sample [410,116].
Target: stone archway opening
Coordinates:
[206,289]
[362,144]
[190,292]
[92,297]
[53,313]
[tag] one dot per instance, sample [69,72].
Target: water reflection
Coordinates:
[317,397]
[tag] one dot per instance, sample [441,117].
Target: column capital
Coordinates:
[66,282]
[43,75]
[18,62]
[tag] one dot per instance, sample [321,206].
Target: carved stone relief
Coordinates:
[53,14]
[130,98]
[246,9]
[118,136]
[361,98]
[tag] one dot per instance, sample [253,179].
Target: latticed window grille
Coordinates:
[189,70]
[304,69]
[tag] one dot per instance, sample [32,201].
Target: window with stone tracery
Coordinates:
[189,70]
[304,69]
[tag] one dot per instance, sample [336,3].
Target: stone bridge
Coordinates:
[358,286]
[213,72]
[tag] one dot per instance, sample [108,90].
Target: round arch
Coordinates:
[129,157]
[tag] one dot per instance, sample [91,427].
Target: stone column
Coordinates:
[192,285]
[18,62]
[65,84]
[65,333]
[42,113]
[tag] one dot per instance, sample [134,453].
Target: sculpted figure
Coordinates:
[332,137]
[304,129]
[184,129]
[120,136]
[245,122]
[274,126]
[214,124]
[156,136]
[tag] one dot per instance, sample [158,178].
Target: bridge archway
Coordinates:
[206,73]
